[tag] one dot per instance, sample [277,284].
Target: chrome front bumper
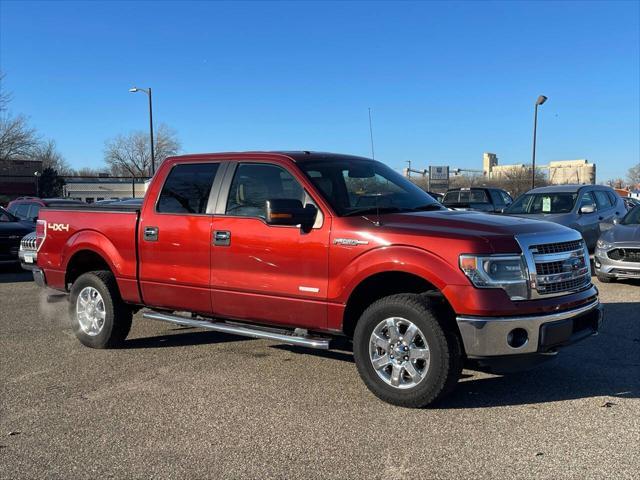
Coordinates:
[489,337]
[615,268]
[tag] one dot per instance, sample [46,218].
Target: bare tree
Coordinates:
[131,154]
[633,175]
[51,157]
[17,139]
[5,97]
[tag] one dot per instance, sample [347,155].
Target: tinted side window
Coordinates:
[506,197]
[602,200]
[587,199]
[21,211]
[255,183]
[34,210]
[187,188]
[451,197]
[498,201]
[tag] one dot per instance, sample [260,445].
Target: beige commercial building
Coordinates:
[559,171]
[572,171]
[96,189]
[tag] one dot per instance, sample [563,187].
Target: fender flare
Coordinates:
[398,258]
[97,243]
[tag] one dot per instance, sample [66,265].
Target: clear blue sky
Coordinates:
[445,81]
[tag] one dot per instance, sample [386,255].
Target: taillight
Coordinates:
[41,232]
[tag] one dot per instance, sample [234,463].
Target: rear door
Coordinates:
[606,209]
[174,239]
[267,273]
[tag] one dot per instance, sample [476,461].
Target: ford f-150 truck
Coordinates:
[303,248]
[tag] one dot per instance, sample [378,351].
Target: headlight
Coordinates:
[604,244]
[507,272]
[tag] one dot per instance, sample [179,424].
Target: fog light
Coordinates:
[517,337]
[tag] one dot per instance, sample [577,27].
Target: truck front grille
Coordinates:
[28,242]
[625,254]
[557,247]
[560,268]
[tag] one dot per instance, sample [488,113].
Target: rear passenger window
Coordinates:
[187,188]
[602,200]
[255,183]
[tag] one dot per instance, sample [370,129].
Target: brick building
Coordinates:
[17,178]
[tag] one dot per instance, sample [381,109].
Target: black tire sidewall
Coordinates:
[103,338]
[429,389]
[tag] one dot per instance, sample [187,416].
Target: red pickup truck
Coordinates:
[303,248]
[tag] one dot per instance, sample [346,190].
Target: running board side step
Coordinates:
[237,329]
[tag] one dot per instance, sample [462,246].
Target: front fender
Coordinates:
[407,259]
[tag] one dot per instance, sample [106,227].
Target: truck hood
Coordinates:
[623,234]
[496,232]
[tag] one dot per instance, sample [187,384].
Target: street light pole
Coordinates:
[148,92]
[541,99]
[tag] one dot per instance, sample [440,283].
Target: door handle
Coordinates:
[600,218]
[151,234]
[222,238]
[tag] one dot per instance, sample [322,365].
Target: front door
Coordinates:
[174,240]
[588,223]
[269,274]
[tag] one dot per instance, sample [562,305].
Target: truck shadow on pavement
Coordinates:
[183,339]
[607,365]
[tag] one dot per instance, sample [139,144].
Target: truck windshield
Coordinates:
[534,203]
[359,187]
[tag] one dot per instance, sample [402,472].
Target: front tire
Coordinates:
[99,317]
[405,352]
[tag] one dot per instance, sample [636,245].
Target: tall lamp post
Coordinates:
[148,92]
[541,99]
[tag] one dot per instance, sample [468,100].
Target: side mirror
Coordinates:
[587,209]
[288,211]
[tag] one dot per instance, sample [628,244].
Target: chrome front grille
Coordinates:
[625,254]
[558,247]
[558,264]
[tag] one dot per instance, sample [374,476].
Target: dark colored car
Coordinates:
[581,207]
[11,232]
[28,208]
[437,196]
[630,202]
[477,198]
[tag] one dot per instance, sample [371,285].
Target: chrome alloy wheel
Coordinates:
[90,311]
[399,352]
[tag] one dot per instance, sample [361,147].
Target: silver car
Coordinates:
[618,250]
[581,207]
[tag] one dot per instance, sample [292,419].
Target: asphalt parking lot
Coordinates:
[178,403]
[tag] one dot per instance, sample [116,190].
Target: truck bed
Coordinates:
[74,232]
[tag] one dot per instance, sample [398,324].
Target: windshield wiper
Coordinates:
[364,211]
[427,208]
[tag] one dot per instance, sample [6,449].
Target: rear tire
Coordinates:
[424,377]
[99,317]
